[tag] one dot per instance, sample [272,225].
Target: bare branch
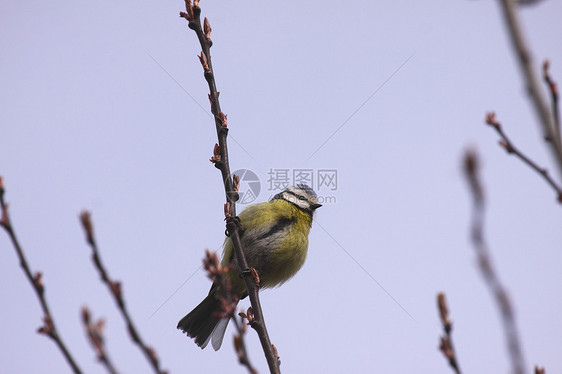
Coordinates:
[446,345]
[528,2]
[511,149]
[471,168]
[94,330]
[216,272]
[49,328]
[240,345]
[116,292]
[527,67]
[221,161]
[553,88]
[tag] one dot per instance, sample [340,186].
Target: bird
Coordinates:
[274,237]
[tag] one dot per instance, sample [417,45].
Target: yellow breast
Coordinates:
[275,241]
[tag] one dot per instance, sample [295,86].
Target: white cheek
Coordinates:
[303,204]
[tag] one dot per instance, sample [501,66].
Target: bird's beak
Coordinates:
[315,206]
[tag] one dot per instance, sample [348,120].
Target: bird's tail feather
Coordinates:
[202,323]
[218,333]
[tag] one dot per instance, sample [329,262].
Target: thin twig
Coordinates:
[539,370]
[528,2]
[116,292]
[553,88]
[221,161]
[216,273]
[527,67]
[510,148]
[239,343]
[471,168]
[94,330]
[49,328]
[446,345]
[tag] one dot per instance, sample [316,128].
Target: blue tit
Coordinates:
[274,237]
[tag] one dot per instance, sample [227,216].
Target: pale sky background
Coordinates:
[96,113]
